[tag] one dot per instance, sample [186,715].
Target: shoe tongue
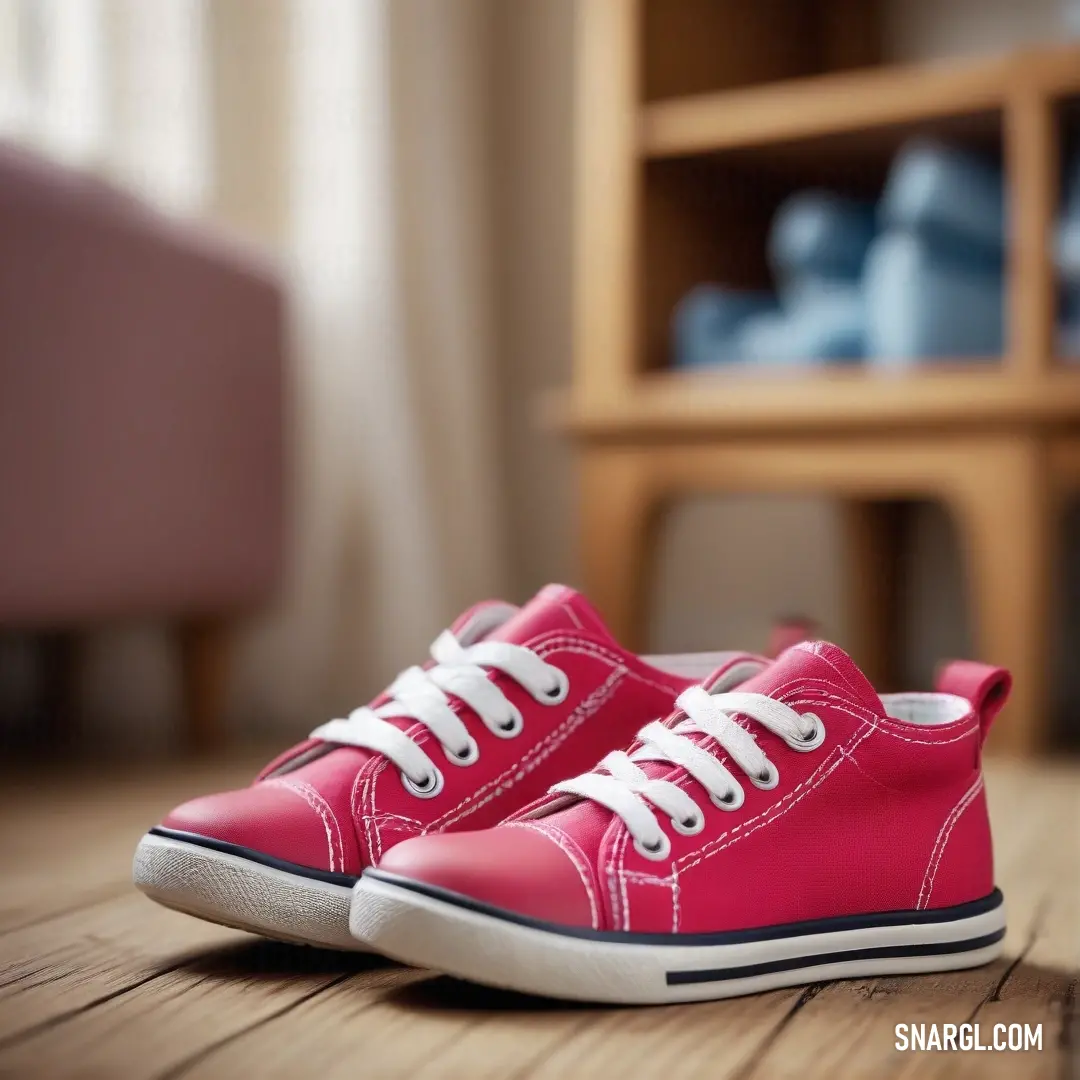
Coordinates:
[815,666]
[554,607]
[481,620]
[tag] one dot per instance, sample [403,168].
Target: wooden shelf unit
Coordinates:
[690,133]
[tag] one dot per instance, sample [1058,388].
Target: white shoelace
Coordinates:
[422,695]
[627,791]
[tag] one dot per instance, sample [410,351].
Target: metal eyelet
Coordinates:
[814,739]
[768,779]
[732,799]
[512,726]
[691,826]
[472,752]
[557,694]
[432,785]
[655,854]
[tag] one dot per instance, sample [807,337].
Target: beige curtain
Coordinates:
[352,137]
[388,164]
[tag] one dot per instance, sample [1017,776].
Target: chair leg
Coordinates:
[874,542]
[204,658]
[618,527]
[1004,514]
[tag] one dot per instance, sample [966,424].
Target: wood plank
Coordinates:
[349,1029]
[707,1040]
[1032,165]
[434,1028]
[172,1020]
[735,403]
[822,105]
[58,967]
[835,104]
[605,194]
[57,856]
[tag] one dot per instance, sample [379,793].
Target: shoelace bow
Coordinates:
[625,788]
[423,695]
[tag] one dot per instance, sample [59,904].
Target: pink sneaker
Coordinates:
[800,829]
[513,701]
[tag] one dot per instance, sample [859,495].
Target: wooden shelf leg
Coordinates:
[873,534]
[618,528]
[204,646]
[1003,514]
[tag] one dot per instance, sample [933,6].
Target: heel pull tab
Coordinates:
[986,687]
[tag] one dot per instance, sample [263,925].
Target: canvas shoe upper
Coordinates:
[512,701]
[799,828]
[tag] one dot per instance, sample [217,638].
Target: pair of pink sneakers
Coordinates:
[784,824]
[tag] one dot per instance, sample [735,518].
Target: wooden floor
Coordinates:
[96,981]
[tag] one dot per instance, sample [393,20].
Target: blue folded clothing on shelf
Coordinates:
[715,326]
[1068,339]
[820,234]
[920,305]
[816,248]
[1067,240]
[1067,248]
[706,320]
[799,293]
[831,329]
[928,286]
[948,195]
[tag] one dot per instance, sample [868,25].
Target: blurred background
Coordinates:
[284,287]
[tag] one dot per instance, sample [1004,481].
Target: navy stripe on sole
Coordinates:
[808,963]
[725,937]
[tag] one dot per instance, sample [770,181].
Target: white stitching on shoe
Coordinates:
[321,807]
[613,893]
[620,878]
[385,815]
[612,878]
[873,779]
[674,900]
[569,846]
[635,877]
[954,815]
[360,788]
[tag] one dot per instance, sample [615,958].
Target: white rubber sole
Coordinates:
[446,935]
[243,894]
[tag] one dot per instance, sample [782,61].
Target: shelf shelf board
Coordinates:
[827,402]
[825,105]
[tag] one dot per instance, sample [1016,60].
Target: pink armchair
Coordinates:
[142,410]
